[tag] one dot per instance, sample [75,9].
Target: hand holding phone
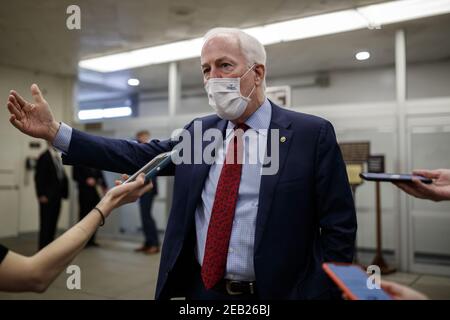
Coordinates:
[352,280]
[153,167]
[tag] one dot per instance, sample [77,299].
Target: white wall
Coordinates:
[424,80]
[428,80]
[19,207]
[365,85]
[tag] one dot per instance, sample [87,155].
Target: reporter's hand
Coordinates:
[400,292]
[124,193]
[34,119]
[437,191]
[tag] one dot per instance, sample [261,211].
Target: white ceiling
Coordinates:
[34,36]
[34,33]
[427,40]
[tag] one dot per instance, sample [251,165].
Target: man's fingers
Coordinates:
[19,98]
[20,103]
[117,182]
[13,110]
[28,107]
[125,176]
[14,102]
[16,123]
[37,94]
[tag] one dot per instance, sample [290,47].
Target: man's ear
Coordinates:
[260,72]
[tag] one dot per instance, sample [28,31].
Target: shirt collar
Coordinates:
[258,121]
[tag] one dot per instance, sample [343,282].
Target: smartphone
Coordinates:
[392,177]
[352,280]
[153,167]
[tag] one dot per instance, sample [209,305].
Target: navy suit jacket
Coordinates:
[305,215]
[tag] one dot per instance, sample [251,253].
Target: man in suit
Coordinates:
[234,233]
[88,179]
[51,187]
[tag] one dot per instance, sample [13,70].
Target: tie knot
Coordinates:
[241,126]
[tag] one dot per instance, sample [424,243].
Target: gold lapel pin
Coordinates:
[283,139]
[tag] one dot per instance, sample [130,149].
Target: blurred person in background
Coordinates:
[51,187]
[151,242]
[91,186]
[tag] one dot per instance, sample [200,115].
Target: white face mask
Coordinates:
[224,95]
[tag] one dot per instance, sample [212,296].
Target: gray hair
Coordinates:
[252,49]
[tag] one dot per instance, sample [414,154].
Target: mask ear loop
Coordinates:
[248,97]
[254,87]
[247,71]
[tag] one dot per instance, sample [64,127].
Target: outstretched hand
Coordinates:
[34,119]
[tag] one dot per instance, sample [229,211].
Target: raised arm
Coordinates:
[36,120]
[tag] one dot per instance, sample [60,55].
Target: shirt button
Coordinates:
[230,250]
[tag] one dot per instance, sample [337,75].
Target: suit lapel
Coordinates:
[268,182]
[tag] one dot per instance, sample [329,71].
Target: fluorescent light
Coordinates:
[117,112]
[372,16]
[398,11]
[362,55]
[142,57]
[309,27]
[104,113]
[90,114]
[133,82]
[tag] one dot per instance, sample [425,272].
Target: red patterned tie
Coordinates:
[221,222]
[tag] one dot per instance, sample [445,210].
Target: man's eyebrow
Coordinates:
[218,60]
[224,58]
